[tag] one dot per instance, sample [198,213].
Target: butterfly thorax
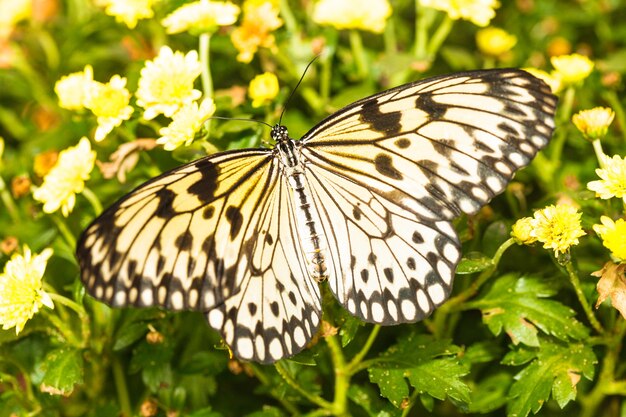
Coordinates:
[308,222]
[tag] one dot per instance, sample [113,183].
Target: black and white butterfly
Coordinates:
[364,200]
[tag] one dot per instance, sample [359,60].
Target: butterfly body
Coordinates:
[364,200]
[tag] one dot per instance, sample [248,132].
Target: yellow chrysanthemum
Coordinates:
[128,12]
[495,41]
[110,104]
[353,14]
[594,123]
[166,83]
[521,231]
[552,79]
[263,88]
[613,235]
[67,178]
[201,16]
[260,19]
[21,288]
[557,227]
[573,68]
[11,12]
[479,12]
[185,123]
[613,179]
[72,89]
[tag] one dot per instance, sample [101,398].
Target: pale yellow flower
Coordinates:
[128,12]
[521,231]
[166,83]
[353,14]
[613,179]
[495,41]
[11,13]
[594,123]
[613,235]
[260,19]
[557,227]
[72,89]
[263,88]
[185,123]
[552,79]
[479,12]
[66,178]
[21,288]
[572,69]
[201,16]
[110,104]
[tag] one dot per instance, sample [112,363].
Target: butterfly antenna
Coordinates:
[294,90]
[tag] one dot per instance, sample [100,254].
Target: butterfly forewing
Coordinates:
[365,199]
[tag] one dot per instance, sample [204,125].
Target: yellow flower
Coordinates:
[110,103]
[521,231]
[573,68]
[201,16]
[11,12]
[557,227]
[495,41]
[66,178]
[128,11]
[185,123]
[263,88]
[553,79]
[166,83]
[21,288]
[594,123]
[353,14]
[479,12]
[259,20]
[613,179]
[613,235]
[72,89]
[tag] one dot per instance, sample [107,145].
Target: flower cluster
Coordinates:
[260,19]
[479,12]
[351,14]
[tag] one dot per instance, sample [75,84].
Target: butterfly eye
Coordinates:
[368,206]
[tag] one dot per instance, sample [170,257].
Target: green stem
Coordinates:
[611,97]
[325,78]
[597,148]
[9,203]
[93,200]
[65,231]
[260,375]
[360,60]
[78,309]
[560,136]
[356,360]
[389,38]
[121,386]
[449,306]
[411,403]
[205,75]
[575,280]
[424,18]
[319,401]
[342,377]
[291,24]
[440,35]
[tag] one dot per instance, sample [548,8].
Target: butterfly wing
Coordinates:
[208,236]
[397,166]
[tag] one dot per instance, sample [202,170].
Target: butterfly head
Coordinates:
[279,134]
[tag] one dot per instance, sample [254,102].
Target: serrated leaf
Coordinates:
[474,262]
[481,352]
[129,334]
[365,397]
[63,368]
[430,366]
[490,393]
[557,370]
[520,308]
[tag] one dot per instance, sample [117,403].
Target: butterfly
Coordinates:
[363,201]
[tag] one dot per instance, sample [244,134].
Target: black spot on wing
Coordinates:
[204,188]
[234,217]
[166,203]
[388,123]
[383,164]
[426,103]
[402,143]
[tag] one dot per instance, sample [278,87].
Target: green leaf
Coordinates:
[474,262]
[365,397]
[430,366]
[557,369]
[153,360]
[481,352]
[490,393]
[266,412]
[518,306]
[205,412]
[63,368]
